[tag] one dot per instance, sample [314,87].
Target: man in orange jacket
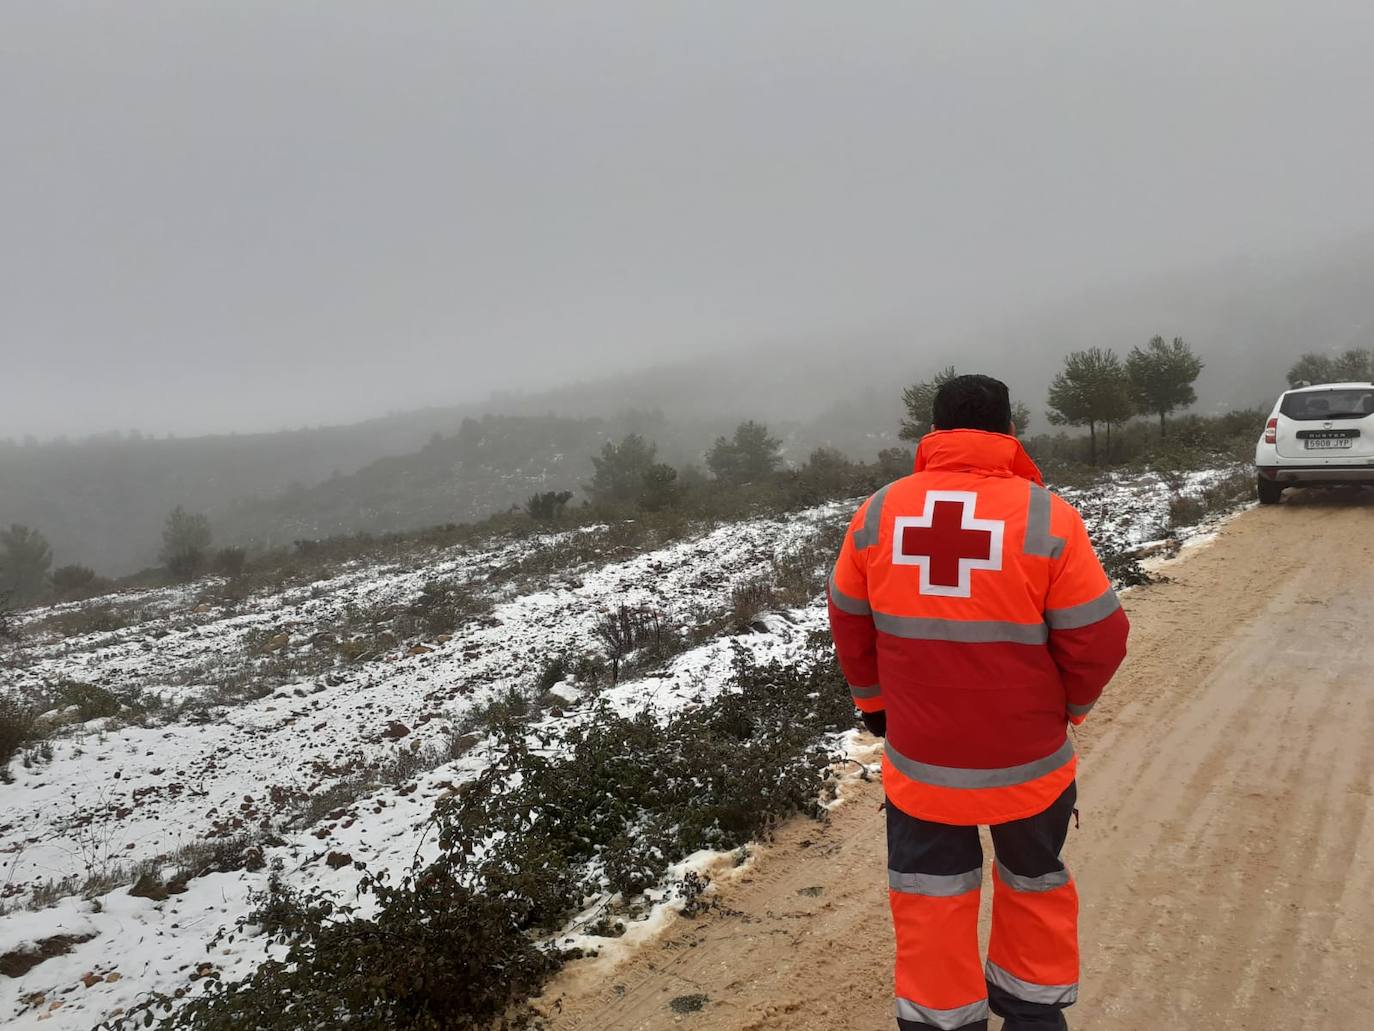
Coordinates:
[974,622]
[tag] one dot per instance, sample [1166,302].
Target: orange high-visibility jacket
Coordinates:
[968,603]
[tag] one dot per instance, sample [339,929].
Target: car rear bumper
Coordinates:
[1311,475]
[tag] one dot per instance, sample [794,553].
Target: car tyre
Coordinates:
[1270,493]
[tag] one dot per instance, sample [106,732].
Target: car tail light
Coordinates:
[1271,431]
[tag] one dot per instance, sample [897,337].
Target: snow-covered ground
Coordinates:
[120,794]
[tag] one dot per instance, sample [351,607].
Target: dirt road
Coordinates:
[1226,853]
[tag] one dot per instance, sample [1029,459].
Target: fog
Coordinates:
[253,215]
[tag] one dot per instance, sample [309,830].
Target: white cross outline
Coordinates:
[969,501]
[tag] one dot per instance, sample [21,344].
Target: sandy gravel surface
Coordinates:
[1225,856]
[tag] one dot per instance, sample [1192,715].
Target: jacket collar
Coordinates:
[993,454]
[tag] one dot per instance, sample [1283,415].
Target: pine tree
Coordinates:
[659,489]
[747,457]
[1092,390]
[25,559]
[185,543]
[620,469]
[1162,377]
[919,399]
[1353,366]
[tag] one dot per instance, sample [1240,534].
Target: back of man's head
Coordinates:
[973,403]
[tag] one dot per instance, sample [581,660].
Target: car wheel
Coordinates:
[1270,493]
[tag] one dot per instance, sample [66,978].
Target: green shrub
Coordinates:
[92,702]
[547,507]
[659,488]
[460,939]
[1192,442]
[438,957]
[554,671]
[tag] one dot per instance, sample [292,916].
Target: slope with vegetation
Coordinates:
[506,735]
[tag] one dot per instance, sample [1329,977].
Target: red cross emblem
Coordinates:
[948,543]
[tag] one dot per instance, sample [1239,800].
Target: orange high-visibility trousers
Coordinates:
[935,874]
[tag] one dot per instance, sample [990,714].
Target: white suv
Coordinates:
[1317,435]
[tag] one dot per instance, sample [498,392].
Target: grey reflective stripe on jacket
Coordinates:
[1086,614]
[962,631]
[957,777]
[1039,541]
[845,603]
[867,535]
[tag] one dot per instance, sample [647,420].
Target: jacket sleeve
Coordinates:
[851,620]
[1088,628]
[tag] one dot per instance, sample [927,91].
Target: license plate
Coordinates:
[1328,443]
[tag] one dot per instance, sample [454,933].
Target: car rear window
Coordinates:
[1312,405]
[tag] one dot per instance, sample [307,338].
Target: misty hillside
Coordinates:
[487,466]
[101,502]
[497,462]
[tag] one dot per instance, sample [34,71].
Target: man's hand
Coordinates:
[876,722]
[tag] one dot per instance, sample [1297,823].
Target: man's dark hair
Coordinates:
[973,403]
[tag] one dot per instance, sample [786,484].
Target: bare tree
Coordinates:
[626,629]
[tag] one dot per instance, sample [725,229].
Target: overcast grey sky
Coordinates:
[250,215]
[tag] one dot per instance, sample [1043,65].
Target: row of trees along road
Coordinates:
[1095,389]
[1353,366]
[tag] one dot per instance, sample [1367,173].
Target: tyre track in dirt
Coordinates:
[1226,854]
